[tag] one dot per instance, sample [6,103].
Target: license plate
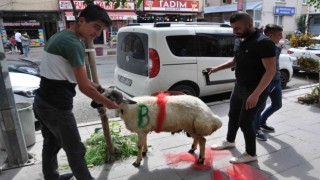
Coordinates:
[125,80]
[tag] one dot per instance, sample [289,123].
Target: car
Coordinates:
[167,56]
[286,69]
[312,51]
[24,84]
[23,66]
[174,57]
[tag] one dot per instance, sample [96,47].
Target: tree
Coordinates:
[314,3]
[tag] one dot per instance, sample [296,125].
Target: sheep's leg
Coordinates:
[145,147]
[202,142]
[194,146]
[141,140]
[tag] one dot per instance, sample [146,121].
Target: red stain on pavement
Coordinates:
[244,172]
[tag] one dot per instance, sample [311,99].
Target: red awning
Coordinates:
[113,16]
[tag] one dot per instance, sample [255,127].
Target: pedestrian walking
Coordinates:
[254,62]
[17,37]
[25,41]
[61,69]
[274,32]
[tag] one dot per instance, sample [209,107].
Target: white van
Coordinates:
[166,56]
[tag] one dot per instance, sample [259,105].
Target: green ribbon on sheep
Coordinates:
[143,113]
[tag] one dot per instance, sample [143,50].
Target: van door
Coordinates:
[215,49]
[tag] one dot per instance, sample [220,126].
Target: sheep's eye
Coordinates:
[121,111]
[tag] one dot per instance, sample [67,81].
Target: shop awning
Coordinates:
[113,16]
[231,7]
[122,15]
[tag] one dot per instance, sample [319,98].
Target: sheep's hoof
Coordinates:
[191,151]
[144,154]
[135,164]
[200,161]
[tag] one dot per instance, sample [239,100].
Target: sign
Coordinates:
[171,5]
[115,16]
[22,23]
[284,10]
[241,6]
[66,5]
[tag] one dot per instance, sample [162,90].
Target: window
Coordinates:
[281,1]
[182,46]
[235,1]
[278,20]
[133,52]
[304,1]
[316,21]
[216,45]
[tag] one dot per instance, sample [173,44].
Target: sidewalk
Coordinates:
[292,152]
[36,53]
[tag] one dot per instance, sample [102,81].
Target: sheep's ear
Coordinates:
[129,101]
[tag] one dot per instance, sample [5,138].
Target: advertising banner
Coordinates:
[171,5]
[66,5]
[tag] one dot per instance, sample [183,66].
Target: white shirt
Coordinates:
[17,37]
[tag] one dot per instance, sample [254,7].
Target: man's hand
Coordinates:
[212,70]
[111,105]
[252,101]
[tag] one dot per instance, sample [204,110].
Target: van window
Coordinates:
[182,46]
[132,52]
[216,45]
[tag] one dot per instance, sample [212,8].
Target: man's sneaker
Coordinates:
[260,136]
[243,158]
[223,145]
[267,128]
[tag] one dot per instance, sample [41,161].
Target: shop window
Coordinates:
[216,45]
[182,46]
[316,21]
[278,20]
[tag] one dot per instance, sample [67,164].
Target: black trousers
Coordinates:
[59,130]
[19,46]
[240,117]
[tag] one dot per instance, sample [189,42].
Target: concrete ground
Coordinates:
[292,152]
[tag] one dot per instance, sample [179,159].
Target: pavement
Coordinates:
[292,152]
[36,53]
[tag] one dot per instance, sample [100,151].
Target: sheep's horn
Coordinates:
[129,101]
[116,96]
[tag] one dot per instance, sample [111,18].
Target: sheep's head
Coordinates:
[115,96]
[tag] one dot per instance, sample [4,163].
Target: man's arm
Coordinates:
[270,66]
[226,65]
[89,88]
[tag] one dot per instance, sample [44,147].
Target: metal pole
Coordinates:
[10,126]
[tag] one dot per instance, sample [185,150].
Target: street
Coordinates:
[105,68]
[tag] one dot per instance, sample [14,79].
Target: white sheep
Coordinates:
[182,113]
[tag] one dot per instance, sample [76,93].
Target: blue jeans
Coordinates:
[275,94]
[241,118]
[59,130]
[26,50]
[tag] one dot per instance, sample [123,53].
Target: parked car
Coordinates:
[312,51]
[166,56]
[286,69]
[24,84]
[23,66]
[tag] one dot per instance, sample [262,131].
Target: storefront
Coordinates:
[120,17]
[38,25]
[169,11]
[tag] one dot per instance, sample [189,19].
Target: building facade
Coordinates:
[281,12]
[40,20]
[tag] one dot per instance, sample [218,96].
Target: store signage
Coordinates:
[284,10]
[66,5]
[113,16]
[25,23]
[171,5]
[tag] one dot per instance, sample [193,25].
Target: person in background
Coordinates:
[255,66]
[274,32]
[11,44]
[25,41]
[62,68]
[17,37]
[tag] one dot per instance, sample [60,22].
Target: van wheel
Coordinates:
[185,89]
[284,78]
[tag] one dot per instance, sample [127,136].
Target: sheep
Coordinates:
[182,112]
